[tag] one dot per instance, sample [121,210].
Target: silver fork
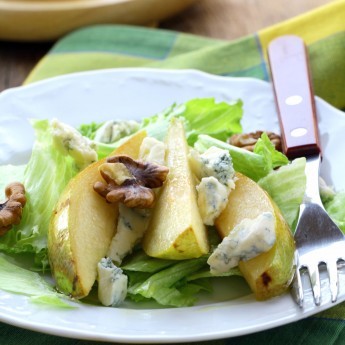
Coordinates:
[318,239]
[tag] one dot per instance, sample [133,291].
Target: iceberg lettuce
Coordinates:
[336,209]
[45,176]
[201,116]
[165,281]
[286,186]
[265,148]
[22,281]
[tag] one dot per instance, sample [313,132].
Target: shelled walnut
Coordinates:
[248,140]
[130,182]
[11,210]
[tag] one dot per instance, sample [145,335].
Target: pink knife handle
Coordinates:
[294,96]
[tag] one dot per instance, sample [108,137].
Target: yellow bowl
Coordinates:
[26,20]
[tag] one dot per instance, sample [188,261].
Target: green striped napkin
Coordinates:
[111,46]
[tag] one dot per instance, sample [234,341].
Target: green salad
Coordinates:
[54,161]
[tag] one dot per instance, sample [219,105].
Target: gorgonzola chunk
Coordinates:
[215,170]
[71,142]
[152,150]
[248,239]
[113,130]
[131,226]
[112,283]
[212,199]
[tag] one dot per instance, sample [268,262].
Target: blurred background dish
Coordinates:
[26,20]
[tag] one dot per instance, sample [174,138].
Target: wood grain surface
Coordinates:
[223,19]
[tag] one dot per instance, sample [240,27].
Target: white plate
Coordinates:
[134,93]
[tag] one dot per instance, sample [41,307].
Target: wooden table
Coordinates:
[223,19]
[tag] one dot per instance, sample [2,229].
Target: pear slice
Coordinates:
[82,226]
[268,274]
[176,230]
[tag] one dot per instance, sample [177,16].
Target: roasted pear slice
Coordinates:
[176,230]
[82,226]
[268,274]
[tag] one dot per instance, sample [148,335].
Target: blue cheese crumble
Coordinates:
[215,171]
[114,130]
[131,227]
[112,283]
[217,162]
[71,142]
[152,150]
[247,240]
[212,198]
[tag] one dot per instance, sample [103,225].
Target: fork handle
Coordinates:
[294,96]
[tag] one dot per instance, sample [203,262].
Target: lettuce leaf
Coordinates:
[140,262]
[89,130]
[336,209]
[287,186]
[201,115]
[169,286]
[45,176]
[205,116]
[265,148]
[22,281]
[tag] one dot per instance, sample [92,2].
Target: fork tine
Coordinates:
[314,277]
[333,279]
[297,288]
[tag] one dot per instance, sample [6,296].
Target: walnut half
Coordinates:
[248,140]
[11,210]
[130,182]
